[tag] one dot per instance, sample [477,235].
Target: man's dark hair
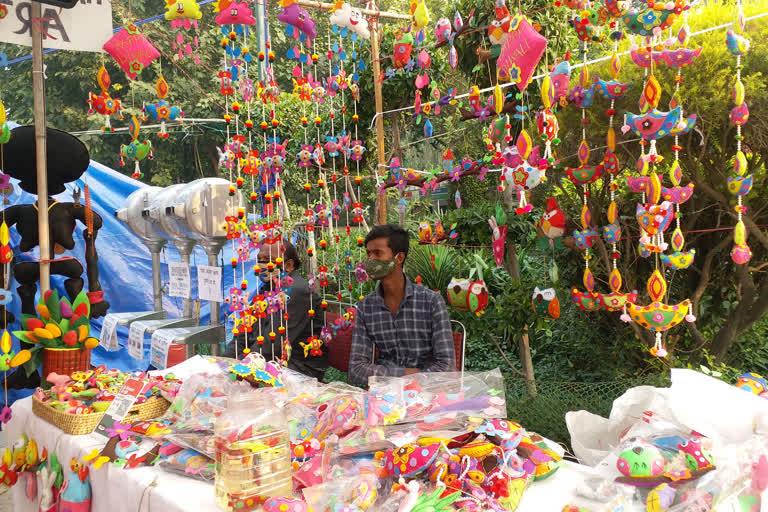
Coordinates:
[290,253]
[397,237]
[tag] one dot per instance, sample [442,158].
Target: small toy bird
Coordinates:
[545,302]
[425,232]
[477,297]
[737,45]
[553,220]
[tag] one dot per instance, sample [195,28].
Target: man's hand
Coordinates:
[411,371]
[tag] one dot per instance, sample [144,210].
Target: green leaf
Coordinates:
[477,68]
[53,306]
[34,362]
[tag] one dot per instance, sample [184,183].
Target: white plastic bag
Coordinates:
[594,437]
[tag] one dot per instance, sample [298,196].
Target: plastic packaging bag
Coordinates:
[434,397]
[189,463]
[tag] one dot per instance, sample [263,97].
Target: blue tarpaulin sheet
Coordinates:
[125,265]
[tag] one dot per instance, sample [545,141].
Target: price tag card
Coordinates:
[136,340]
[180,283]
[209,283]
[120,406]
[159,345]
[108,336]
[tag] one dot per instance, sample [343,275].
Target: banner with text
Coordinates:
[85,27]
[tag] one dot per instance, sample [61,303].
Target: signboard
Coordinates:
[120,406]
[85,27]
[441,193]
[108,337]
[159,345]
[136,340]
[209,283]
[180,282]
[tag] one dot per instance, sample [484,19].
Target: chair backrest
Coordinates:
[340,346]
[459,343]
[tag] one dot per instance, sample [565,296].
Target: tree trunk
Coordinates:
[526,361]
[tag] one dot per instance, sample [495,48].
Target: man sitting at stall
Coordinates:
[299,326]
[408,324]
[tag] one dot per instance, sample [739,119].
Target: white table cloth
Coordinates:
[121,490]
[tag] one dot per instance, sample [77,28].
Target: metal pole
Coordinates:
[157,285]
[261,23]
[215,306]
[38,91]
[382,213]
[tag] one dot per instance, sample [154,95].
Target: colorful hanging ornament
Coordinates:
[350,18]
[103,103]
[132,51]
[523,169]
[402,49]
[183,15]
[654,18]
[739,183]
[160,111]
[545,303]
[300,25]
[522,49]
[654,215]
[136,150]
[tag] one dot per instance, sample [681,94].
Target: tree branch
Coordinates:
[706,271]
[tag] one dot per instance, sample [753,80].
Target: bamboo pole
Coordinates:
[382,159]
[38,91]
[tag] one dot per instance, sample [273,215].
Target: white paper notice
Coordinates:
[136,340]
[108,336]
[209,283]
[85,27]
[180,285]
[159,345]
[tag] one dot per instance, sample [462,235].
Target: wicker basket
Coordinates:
[66,361]
[80,424]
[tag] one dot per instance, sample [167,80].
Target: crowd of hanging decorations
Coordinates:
[326,76]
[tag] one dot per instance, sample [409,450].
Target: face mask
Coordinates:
[379,269]
[265,275]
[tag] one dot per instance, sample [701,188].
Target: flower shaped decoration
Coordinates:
[6,297]
[390,73]
[401,455]
[241,370]
[120,430]
[6,414]
[410,65]
[5,181]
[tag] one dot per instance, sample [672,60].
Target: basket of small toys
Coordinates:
[75,404]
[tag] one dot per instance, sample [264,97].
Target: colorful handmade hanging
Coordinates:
[655,215]
[132,51]
[103,103]
[160,111]
[521,51]
[739,183]
[545,303]
[349,18]
[523,169]
[136,150]
[183,15]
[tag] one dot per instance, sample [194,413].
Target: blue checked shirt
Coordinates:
[418,336]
